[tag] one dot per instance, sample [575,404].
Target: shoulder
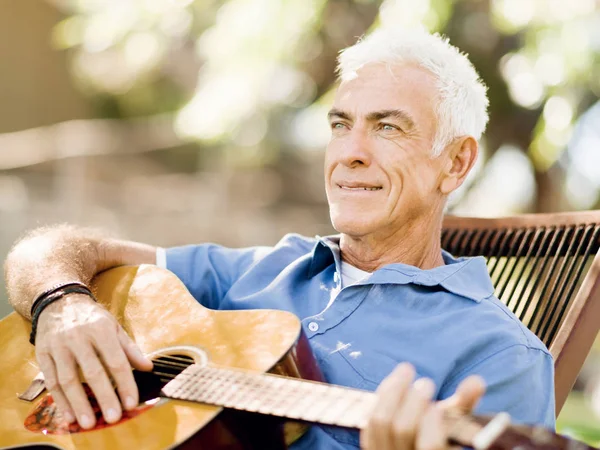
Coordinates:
[489,339]
[488,318]
[517,332]
[295,242]
[290,248]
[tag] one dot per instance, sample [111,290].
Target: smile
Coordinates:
[359,188]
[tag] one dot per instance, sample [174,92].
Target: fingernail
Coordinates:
[130,403]
[425,386]
[68,417]
[85,421]
[112,415]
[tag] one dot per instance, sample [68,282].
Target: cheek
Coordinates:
[411,177]
[329,152]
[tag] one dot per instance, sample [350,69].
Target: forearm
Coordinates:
[62,254]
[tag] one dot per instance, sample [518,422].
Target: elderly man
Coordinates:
[384,307]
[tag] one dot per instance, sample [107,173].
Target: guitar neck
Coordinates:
[324,404]
[303,400]
[273,395]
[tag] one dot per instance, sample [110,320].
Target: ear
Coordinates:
[460,157]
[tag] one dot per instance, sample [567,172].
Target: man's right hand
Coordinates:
[77,333]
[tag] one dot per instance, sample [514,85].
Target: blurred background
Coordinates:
[181,121]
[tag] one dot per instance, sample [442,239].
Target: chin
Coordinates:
[353,224]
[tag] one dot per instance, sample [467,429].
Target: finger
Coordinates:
[467,395]
[408,417]
[431,434]
[391,392]
[115,360]
[135,356]
[52,385]
[98,380]
[68,378]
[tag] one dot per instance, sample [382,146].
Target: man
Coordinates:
[381,303]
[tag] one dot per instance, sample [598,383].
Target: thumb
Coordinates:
[135,356]
[467,395]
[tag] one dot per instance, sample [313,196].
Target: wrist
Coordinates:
[66,302]
[53,296]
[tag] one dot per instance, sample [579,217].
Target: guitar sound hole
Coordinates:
[165,369]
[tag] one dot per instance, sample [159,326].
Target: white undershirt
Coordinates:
[161,258]
[352,275]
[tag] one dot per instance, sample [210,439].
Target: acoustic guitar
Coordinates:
[221,380]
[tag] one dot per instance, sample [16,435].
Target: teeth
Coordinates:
[360,188]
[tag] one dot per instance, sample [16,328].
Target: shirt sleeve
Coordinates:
[208,270]
[519,380]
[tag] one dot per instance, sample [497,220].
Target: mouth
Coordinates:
[358,187]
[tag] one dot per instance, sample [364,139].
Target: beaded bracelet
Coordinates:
[50,297]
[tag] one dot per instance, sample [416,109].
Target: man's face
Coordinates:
[379,173]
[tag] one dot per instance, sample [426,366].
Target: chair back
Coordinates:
[546,269]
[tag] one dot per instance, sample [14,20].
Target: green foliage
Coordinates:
[222,67]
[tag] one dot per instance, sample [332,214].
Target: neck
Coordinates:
[416,243]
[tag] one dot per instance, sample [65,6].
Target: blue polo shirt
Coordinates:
[445,321]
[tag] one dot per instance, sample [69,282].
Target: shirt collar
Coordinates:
[464,276]
[326,251]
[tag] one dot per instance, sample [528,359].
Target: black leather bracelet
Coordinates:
[52,290]
[48,299]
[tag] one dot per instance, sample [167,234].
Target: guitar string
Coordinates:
[459,419]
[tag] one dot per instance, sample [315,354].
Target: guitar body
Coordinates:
[158,312]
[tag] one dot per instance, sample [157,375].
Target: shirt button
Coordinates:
[313,326]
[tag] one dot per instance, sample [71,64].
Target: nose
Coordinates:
[354,149]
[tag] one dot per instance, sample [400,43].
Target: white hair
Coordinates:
[462,103]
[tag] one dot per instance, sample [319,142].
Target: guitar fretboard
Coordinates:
[274,395]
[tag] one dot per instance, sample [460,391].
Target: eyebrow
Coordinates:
[375,116]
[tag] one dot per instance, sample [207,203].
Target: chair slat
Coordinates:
[546,269]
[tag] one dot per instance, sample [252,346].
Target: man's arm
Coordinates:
[64,253]
[75,332]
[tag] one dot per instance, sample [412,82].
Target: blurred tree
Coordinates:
[252,78]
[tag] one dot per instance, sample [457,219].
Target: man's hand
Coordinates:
[405,416]
[77,333]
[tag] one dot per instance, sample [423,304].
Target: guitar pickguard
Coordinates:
[45,417]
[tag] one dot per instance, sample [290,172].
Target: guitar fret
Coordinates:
[218,393]
[239,392]
[266,393]
[229,391]
[298,410]
[219,382]
[277,388]
[251,393]
[200,382]
[291,392]
[321,403]
[358,415]
[342,404]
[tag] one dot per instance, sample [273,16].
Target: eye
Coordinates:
[337,126]
[388,127]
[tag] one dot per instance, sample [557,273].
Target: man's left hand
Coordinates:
[406,417]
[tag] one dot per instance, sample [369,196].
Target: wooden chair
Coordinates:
[546,269]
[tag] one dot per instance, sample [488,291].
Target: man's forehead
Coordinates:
[387,87]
